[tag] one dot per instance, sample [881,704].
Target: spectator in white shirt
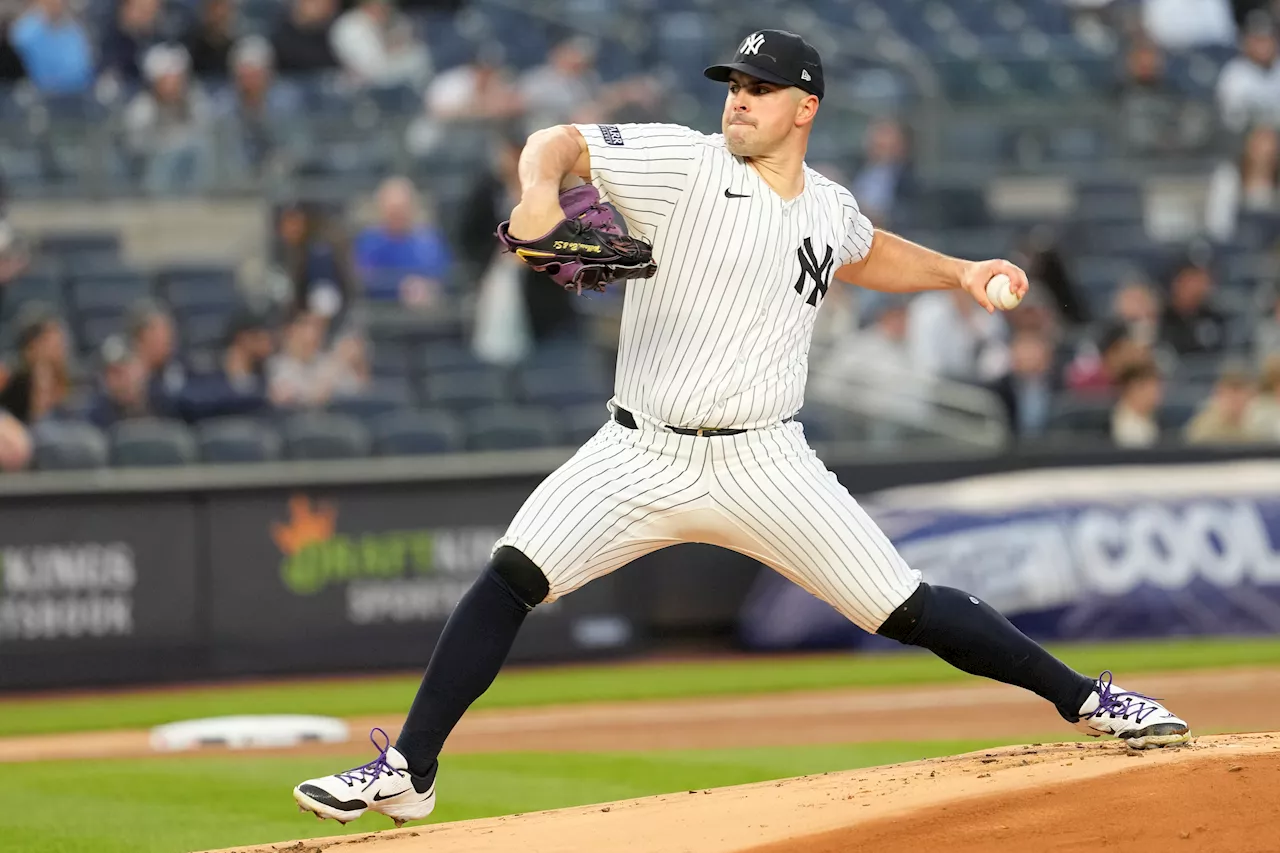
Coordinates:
[873,367]
[568,89]
[1182,24]
[1249,185]
[952,337]
[1249,85]
[1266,334]
[168,126]
[303,373]
[480,89]
[1133,420]
[378,47]
[477,91]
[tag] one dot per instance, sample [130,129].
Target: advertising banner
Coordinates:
[1131,551]
[95,592]
[314,579]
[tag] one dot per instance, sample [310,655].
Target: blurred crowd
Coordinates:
[1173,356]
[301,344]
[1103,379]
[209,90]
[1175,353]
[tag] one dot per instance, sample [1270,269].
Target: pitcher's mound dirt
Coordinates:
[1228,804]
[1220,794]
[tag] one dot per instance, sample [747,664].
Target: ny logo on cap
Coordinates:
[751,44]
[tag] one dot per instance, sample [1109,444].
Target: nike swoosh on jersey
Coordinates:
[728,194]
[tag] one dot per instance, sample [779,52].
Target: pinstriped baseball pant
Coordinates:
[762,493]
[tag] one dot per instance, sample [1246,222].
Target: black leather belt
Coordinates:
[628,420]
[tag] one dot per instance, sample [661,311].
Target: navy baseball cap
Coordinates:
[775,56]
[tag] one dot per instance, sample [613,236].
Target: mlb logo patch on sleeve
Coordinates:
[611,134]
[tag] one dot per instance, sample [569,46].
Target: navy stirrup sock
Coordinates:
[473,646]
[974,637]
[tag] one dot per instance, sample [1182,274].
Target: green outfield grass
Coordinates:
[166,805]
[605,683]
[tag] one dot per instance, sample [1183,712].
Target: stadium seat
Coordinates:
[380,399]
[448,46]
[236,440]
[551,386]
[1257,228]
[582,421]
[562,354]
[68,446]
[507,427]
[324,435]
[1083,418]
[151,442]
[1076,144]
[445,356]
[1177,411]
[91,332]
[1109,202]
[63,243]
[1101,272]
[107,292]
[31,286]
[71,108]
[1197,369]
[975,142]
[415,433]
[393,100]
[202,331]
[390,359]
[466,389]
[1104,237]
[193,288]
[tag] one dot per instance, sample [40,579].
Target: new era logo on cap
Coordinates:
[804,74]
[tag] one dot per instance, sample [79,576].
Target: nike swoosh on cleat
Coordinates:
[377,798]
[728,194]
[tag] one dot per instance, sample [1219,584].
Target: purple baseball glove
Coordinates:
[588,249]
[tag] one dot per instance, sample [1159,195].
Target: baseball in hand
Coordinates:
[1000,292]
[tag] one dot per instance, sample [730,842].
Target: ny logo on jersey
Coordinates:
[751,44]
[811,269]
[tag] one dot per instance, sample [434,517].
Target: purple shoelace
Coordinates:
[1122,703]
[374,770]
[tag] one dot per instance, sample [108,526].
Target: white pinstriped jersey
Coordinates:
[719,337]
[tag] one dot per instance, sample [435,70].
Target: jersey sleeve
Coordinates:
[642,169]
[858,231]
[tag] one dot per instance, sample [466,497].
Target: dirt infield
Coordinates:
[1223,700]
[1220,794]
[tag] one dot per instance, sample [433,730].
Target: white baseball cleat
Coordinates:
[383,785]
[1139,721]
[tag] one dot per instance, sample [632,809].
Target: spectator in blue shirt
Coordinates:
[54,48]
[239,386]
[401,258]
